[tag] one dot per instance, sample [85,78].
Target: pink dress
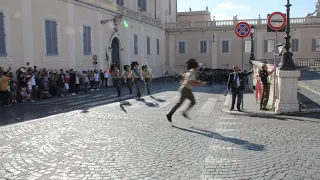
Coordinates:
[258,91]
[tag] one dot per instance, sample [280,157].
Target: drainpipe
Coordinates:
[155,9]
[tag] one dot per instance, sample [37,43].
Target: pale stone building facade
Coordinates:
[66,34]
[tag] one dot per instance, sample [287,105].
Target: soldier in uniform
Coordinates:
[125,74]
[187,83]
[266,87]
[136,74]
[147,77]
[115,74]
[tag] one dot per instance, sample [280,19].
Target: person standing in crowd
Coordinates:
[96,78]
[86,81]
[236,86]
[13,88]
[77,90]
[147,78]
[264,74]
[187,83]
[4,85]
[137,77]
[72,82]
[128,78]
[60,83]
[106,76]
[115,74]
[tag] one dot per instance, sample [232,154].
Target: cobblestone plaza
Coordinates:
[137,142]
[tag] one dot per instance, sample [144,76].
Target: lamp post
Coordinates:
[287,63]
[252,44]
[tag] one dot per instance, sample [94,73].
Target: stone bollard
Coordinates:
[287,101]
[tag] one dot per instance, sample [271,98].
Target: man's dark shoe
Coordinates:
[239,110]
[169,117]
[264,109]
[231,109]
[185,115]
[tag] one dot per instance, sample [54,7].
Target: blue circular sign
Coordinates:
[242,29]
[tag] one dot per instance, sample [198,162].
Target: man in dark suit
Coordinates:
[236,86]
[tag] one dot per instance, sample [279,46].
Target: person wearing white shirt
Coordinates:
[96,78]
[33,86]
[106,76]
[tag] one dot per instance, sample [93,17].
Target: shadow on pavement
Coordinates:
[306,103]
[309,75]
[244,144]
[29,111]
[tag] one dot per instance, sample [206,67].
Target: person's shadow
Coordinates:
[242,143]
[149,104]
[123,104]
[157,99]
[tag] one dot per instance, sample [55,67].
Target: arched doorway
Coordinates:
[115,45]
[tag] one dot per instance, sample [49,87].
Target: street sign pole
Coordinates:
[274,72]
[242,69]
[276,22]
[242,30]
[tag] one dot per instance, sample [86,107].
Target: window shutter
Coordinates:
[265,46]
[89,40]
[227,46]
[54,37]
[139,4]
[84,36]
[297,45]
[3,51]
[48,37]
[314,45]
[144,5]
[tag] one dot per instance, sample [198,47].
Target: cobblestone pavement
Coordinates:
[137,142]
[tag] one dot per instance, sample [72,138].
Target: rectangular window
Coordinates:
[269,45]
[3,51]
[203,46]
[142,5]
[295,45]
[247,46]
[182,48]
[315,45]
[225,46]
[120,2]
[169,7]
[136,45]
[51,38]
[148,46]
[158,47]
[87,40]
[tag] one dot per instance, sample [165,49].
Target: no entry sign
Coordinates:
[277,21]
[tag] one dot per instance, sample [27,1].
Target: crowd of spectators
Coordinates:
[29,84]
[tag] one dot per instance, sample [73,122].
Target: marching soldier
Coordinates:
[187,83]
[115,73]
[147,77]
[136,74]
[125,74]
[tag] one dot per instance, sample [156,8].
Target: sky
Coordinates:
[247,9]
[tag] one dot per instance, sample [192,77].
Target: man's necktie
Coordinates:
[237,79]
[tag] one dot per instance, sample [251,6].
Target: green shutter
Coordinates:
[3,51]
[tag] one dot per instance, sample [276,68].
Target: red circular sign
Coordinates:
[242,29]
[273,16]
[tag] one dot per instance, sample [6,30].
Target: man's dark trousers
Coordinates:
[237,93]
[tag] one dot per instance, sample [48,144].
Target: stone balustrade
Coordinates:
[231,23]
[313,63]
[126,12]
